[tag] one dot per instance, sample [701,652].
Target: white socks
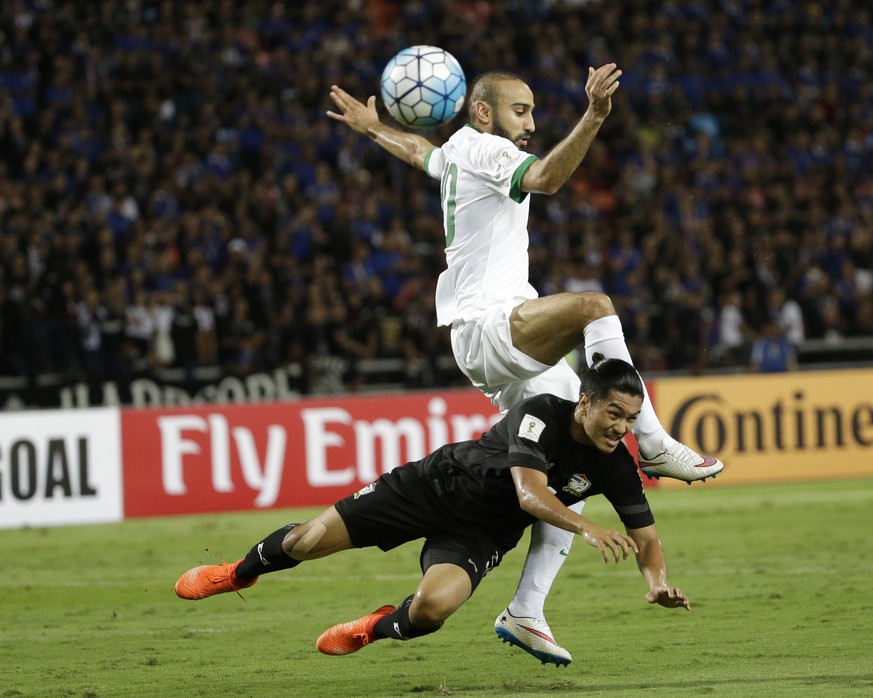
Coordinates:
[605,336]
[548,549]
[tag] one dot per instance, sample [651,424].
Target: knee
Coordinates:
[429,611]
[595,305]
[301,540]
[291,539]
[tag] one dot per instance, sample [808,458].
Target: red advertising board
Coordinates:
[288,454]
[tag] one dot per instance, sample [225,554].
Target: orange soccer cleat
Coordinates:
[346,638]
[208,580]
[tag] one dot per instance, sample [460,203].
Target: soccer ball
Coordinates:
[423,86]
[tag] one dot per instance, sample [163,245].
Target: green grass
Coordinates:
[779,578]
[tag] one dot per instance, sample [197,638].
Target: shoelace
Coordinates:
[363,637]
[221,578]
[686,457]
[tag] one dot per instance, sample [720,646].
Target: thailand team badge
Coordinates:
[577,484]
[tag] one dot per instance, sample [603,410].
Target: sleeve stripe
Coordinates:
[632,509]
[427,160]
[521,448]
[515,191]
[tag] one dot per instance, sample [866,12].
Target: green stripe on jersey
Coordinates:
[427,159]
[515,191]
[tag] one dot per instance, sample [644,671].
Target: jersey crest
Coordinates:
[365,490]
[577,484]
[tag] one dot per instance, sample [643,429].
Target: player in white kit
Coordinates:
[508,341]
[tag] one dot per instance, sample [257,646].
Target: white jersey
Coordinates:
[485,215]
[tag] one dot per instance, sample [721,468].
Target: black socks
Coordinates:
[267,556]
[396,625]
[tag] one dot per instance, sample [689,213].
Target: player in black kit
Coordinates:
[471,501]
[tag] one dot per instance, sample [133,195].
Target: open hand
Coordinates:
[669,597]
[606,540]
[355,114]
[601,85]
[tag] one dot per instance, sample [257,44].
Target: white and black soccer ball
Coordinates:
[423,86]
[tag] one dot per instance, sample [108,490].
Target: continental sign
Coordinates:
[793,426]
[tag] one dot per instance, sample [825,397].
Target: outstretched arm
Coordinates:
[364,119]
[535,497]
[548,175]
[653,566]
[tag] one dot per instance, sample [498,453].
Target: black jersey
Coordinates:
[473,480]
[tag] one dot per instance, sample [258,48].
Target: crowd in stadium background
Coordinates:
[172,194]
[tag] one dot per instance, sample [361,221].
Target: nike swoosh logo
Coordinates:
[534,631]
[564,552]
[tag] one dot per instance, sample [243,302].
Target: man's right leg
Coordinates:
[443,589]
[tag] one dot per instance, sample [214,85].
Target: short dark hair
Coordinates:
[484,89]
[604,375]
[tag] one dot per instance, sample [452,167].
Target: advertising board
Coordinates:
[774,427]
[284,454]
[59,468]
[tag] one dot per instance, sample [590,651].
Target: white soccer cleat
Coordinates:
[533,636]
[676,460]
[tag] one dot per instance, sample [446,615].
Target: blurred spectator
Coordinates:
[733,332]
[161,310]
[206,353]
[240,348]
[772,351]
[354,337]
[787,313]
[89,313]
[139,331]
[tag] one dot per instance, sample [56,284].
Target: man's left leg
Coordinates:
[523,622]
[548,328]
[209,580]
[660,455]
[443,589]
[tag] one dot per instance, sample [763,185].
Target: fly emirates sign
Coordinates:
[305,453]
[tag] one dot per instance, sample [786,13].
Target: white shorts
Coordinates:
[484,352]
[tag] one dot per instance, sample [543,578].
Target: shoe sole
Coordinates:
[687,482]
[544,657]
[656,476]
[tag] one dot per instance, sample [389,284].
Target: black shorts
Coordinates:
[400,507]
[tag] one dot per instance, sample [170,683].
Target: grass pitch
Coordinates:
[778,576]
